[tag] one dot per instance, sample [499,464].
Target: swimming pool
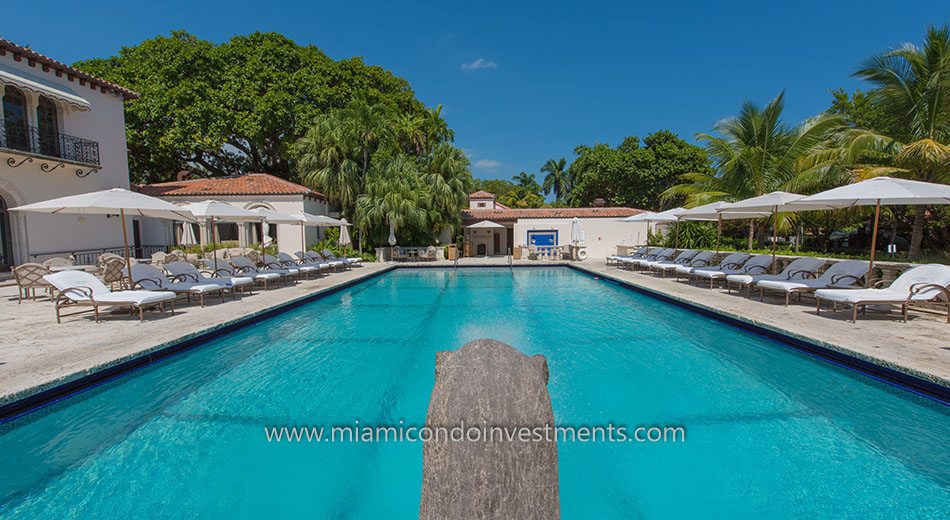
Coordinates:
[771,431]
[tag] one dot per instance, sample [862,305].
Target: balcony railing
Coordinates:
[32,140]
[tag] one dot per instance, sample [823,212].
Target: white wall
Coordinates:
[603,234]
[105,124]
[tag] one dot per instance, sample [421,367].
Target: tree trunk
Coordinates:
[751,233]
[918,234]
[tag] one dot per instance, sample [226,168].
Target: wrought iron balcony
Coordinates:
[35,141]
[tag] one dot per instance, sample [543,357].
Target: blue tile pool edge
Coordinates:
[27,404]
[58,392]
[875,370]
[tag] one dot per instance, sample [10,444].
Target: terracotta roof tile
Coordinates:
[50,65]
[481,194]
[514,214]
[246,184]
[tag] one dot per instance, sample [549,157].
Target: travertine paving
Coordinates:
[37,353]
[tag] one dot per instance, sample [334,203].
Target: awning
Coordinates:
[486,224]
[42,86]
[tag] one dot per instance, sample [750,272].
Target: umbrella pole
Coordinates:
[125,241]
[214,249]
[303,240]
[676,243]
[774,234]
[718,231]
[877,217]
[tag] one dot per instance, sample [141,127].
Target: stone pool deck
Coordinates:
[37,354]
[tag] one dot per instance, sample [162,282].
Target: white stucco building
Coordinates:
[248,191]
[601,229]
[63,133]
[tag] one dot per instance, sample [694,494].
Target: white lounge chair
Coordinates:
[322,266]
[150,278]
[617,259]
[657,254]
[758,264]
[840,275]
[306,268]
[187,272]
[799,269]
[700,259]
[334,264]
[353,260]
[229,270]
[272,263]
[924,285]
[681,259]
[81,289]
[731,260]
[246,267]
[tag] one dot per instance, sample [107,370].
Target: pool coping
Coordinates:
[921,383]
[36,397]
[33,398]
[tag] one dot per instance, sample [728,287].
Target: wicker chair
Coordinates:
[112,272]
[159,258]
[57,261]
[29,278]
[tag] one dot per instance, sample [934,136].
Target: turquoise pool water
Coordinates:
[771,432]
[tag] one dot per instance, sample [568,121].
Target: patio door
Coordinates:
[496,243]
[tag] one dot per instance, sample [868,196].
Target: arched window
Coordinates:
[47,124]
[15,134]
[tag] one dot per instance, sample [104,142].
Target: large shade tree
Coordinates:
[235,106]
[634,173]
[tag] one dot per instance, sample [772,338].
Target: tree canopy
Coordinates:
[239,105]
[631,174]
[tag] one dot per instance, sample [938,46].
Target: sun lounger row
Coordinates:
[154,288]
[842,283]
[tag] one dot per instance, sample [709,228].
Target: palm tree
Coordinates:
[557,178]
[325,159]
[394,194]
[448,180]
[754,154]
[368,125]
[526,180]
[912,86]
[411,132]
[437,129]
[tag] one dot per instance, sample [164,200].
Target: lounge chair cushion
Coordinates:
[861,295]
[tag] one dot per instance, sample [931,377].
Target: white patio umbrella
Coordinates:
[274,217]
[575,230]
[310,220]
[772,203]
[709,213]
[111,202]
[392,234]
[214,210]
[187,235]
[876,192]
[344,233]
[669,215]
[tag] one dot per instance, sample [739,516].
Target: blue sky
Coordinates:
[524,82]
